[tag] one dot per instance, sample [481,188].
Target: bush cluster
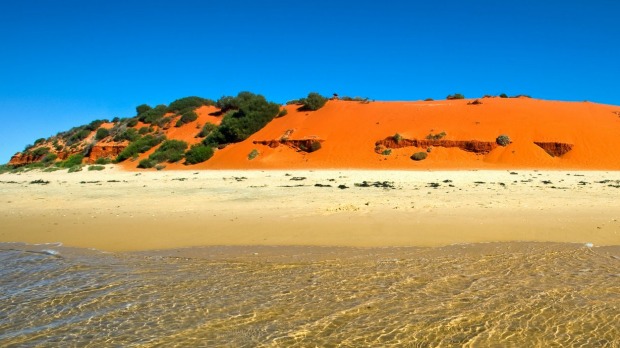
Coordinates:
[436,136]
[141,145]
[101,133]
[40,152]
[198,153]
[129,134]
[140,109]
[186,117]
[503,140]
[170,151]
[250,113]
[206,130]
[419,156]
[312,102]
[397,138]
[455,96]
[188,103]
[253,154]
[153,115]
[72,161]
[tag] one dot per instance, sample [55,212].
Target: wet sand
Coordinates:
[115,210]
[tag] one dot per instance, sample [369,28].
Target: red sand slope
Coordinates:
[349,130]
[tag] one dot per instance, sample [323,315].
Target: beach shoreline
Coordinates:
[115,210]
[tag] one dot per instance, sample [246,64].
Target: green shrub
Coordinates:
[313,102]
[77,136]
[455,96]
[436,136]
[101,133]
[103,160]
[419,156]
[206,130]
[153,115]
[503,95]
[397,138]
[294,102]
[503,140]
[282,112]
[74,169]
[72,161]
[252,155]
[94,125]
[96,168]
[141,145]
[49,158]
[144,130]
[39,141]
[140,109]
[187,117]
[429,99]
[253,113]
[130,134]
[188,103]
[169,151]
[147,163]
[198,153]
[40,152]
[386,152]
[227,103]
[132,122]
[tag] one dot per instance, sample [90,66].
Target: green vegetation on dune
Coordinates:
[247,114]
[188,103]
[139,146]
[198,153]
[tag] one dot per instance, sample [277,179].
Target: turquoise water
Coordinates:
[498,294]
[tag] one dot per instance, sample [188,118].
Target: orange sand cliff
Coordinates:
[349,131]
[544,134]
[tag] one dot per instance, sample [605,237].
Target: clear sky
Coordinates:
[64,63]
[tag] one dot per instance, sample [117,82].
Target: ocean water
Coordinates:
[497,294]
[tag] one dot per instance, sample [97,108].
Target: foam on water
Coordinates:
[508,294]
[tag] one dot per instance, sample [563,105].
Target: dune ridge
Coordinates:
[351,134]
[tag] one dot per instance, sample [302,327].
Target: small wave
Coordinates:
[50,252]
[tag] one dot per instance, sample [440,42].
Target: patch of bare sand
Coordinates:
[117,211]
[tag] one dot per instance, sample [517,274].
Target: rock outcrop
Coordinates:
[554,149]
[475,146]
[105,150]
[302,145]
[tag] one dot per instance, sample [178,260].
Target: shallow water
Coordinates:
[498,294]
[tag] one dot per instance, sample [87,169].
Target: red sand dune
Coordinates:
[544,134]
[349,131]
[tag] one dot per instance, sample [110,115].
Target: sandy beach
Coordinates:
[115,210]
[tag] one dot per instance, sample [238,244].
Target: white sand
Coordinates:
[156,210]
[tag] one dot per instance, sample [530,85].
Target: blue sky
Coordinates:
[65,63]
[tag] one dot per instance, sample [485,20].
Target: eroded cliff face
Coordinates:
[555,149]
[303,145]
[475,146]
[105,150]
[21,159]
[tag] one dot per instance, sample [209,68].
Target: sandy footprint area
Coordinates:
[116,210]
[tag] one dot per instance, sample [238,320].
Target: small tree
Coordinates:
[140,109]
